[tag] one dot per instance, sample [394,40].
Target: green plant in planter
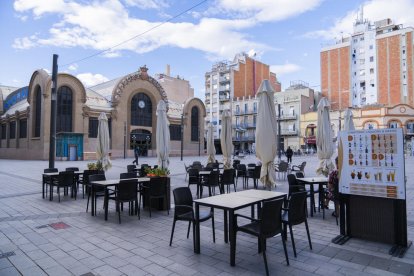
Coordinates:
[95,166]
[157,172]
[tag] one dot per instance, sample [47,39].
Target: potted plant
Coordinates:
[95,166]
[157,172]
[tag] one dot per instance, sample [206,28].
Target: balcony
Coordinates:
[224,80]
[289,132]
[287,117]
[224,99]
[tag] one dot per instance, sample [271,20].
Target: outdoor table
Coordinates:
[230,203]
[321,181]
[53,175]
[109,183]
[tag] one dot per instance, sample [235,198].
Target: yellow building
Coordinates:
[370,117]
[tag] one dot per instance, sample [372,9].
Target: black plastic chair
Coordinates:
[85,180]
[295,186]
[212,181]
[235,163]
[132,169]
[300,168]
[142,171]
[99,191]
[241,172]
[228,179]
[77,177]
[47,180]
[295,214]
[184,211]
[126,191]
[269,225]
[194,178]
[64,180]
[139,190]
[156,190]
[253,174]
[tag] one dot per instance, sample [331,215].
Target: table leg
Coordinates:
[197,229]
[92,191]
[312,200]
[226,231]
[106,199]
[232,239]
[322,199]
[252,211]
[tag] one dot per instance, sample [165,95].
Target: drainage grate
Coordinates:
[59,225]
[7,254]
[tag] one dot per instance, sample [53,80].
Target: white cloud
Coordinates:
[400,11]
[73,67]
[101,25]
[284,69]
[89,79]
[147,4]
[268,10]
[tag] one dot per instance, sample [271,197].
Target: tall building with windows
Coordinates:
[372,66]
[233,79]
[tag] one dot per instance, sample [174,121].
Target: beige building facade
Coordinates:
[129,102]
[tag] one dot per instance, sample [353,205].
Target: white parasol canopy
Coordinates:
[226,138]
[349,122]
[211,150]
[266,134]
[102,148]
[163,135]
[324,142]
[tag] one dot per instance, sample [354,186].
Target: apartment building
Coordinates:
[297,99]
[372,66]
[227,80]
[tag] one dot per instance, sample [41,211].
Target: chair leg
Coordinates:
[119,212]
[262,242]
[58,190]
[150,201]
[87,203]
[172,231]
[214,229]
[307,231]
[293,240]
[188,231]
[284,248]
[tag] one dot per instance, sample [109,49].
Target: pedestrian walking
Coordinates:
[289,153]
[136,154]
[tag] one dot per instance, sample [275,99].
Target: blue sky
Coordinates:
[286,34]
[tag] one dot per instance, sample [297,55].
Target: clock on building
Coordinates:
[141,104]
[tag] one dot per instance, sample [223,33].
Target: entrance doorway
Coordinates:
[140,138]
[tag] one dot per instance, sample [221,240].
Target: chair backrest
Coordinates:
[283,166]
[299,174]
[196,163]
[65,178]
[50,170]
[127,175]
[213,179]
[294,186]
[96,177]
[73,169]
[256,172]
[228,176]
[87,173]
[302,166]
[193,176]
[297,207]
[271,217]
[155,166]
[197,166]
[251,165]
[235,163]
[131,168]
[216,165]
[209,165]
[183,196]
[127,189]
[241,167]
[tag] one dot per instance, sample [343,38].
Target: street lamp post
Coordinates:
[147,139]
[134,138]
[182,135]
[53,112]
[199,142]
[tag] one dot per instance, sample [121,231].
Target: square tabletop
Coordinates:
[315,180]
[111,182]
[261,194]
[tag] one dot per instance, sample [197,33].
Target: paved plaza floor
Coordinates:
[93,246]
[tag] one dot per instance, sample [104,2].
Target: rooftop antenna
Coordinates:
[361,10]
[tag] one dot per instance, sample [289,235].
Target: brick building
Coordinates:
[372,66]
[227,80]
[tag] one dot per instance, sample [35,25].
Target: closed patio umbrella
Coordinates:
[324,142]
[266,134]
[226,138]
[102,148]
[163,136]
[211,150]
[349,122]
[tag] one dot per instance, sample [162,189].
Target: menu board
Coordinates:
[373,163]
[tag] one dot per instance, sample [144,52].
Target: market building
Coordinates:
[129,102]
